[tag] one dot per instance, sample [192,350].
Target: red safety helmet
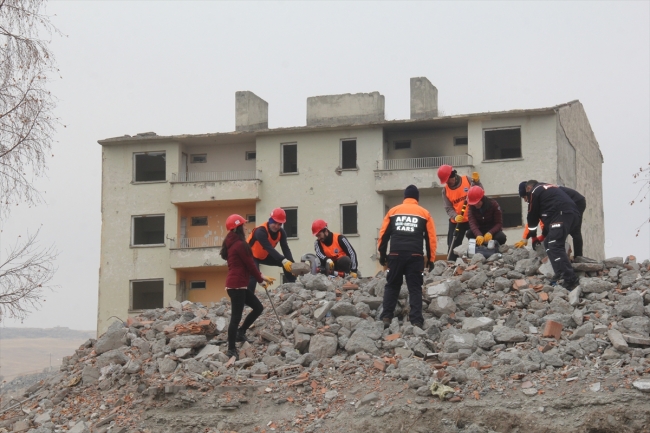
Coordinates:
[234,220]
[317,226]
[444,172]
[474,195]
[279,215]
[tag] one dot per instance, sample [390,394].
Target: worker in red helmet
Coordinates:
[454,197]
[334,250]
[241,267]
[263,241]
[485,218]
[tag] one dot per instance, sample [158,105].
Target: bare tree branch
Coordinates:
[642,177]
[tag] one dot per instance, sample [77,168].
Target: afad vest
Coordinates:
[334,251]
[258,250]
[458,196]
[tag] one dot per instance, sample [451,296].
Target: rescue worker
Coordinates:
[485,218]
[406,226]
[263,241]
[576,235]
[551,205]
[526,235]
[454,196]
[334,250]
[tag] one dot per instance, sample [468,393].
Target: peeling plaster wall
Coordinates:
[439,142]
[573,120]
[318,191]
[221,157]
[215,281]
[121,199]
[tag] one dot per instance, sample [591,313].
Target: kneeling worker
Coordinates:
[407,226]
[334,250]
[485,218]
[263,241]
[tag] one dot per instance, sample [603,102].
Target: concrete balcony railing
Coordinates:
[393,175]
[215,185]
[196,252]
[200,242]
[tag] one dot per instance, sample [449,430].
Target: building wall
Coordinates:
[589,175]
[215,280]
[425,143]
[121,199]
[220,157]
[217,216]
[319,190]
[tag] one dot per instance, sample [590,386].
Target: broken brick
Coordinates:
[552,329]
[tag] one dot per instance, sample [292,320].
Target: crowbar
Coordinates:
[276,314]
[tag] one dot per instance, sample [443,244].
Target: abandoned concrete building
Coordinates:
[165,199]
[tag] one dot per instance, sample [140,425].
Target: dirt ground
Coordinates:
[30,355]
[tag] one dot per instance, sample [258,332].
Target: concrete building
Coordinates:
[165,198]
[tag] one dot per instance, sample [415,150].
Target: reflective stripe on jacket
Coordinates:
[458,196]
[408,226]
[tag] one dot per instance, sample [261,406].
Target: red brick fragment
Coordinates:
[552,329]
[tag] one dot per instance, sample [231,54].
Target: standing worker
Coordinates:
[241,267]
[334,250]
[407,226]
[454,196]
[485,218]
[263,241]
[551,205]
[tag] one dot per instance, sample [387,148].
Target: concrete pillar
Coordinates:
[346,109]
[424,99]
[251,112]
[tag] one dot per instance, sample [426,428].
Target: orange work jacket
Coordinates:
[258,250]
[458,196]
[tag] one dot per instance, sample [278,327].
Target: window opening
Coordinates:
[460,141]
[348,154]
[503,143]
[198,159]
[291,226]
[147,294]
[200,221]
[289,158]
[148,230]
[149,167]
[197,285]
[402,144]
[511,210]
[251,155]
[349,219]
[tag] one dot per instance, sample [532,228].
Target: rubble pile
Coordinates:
[493,327]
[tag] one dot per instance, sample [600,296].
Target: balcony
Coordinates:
[196,252]
[199,186]
[393,175]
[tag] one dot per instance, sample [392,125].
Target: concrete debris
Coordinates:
[488,324]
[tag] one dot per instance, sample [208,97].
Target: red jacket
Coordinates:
[240,263]
[487,219]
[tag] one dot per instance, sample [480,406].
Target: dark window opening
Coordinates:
[291,226]
[150,167]
[511,210]
[197,285]
[289,158]
[200,221]
[460,141]
[251,155]
[349,154]
[503,143]
[198,159]
[349,217]
[250,218]
[147,295]
[149,230]
[403,144]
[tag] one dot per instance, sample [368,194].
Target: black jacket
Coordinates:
[546,202]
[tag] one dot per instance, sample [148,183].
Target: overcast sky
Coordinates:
[174,68]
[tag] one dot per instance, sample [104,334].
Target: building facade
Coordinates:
[165,199]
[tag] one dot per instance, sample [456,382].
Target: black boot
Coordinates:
[241,337]
[232,352]
[387,322]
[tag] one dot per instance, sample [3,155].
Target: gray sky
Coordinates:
[174,68]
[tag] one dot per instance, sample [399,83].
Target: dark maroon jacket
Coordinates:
[486,219]
[240,263]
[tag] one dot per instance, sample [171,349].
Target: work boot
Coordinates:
[232,352]
[241,337]
[418,324]
[571,284]
[387,322]
[555,278]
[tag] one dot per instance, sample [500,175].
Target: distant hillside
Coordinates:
[58,332]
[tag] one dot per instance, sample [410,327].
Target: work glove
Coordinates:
[487,237]
[382,260]
[458,218]
[353,274]
[475,177]
[479,240]
[267,281]
[286,264]
[330,264]
[522,243]
[537,241]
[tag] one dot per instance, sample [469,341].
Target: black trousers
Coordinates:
[462,228]
[400,266]
[343,264]
[269,261]
[239,298]
[500,237]
[562,224]
[576,234]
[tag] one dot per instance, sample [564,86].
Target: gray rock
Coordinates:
[476,324]
[348,322]
[195,366]
[559,305]
[552,359]
[373,302]
[574,296]
[485,340]
[132,367]
[187,341]
[596,285]
[628,278]
[363,309]
[587,328]
[636,325]
[642,385]
[442,305]
[630,305]
[301,342]
[343,309]
[166,365]
[182,353]
[367,399]
[502,284]
[546,269]
[613,262]
[477,281]
[359,342]
[115,356]
[143,345]
[617,340]
[208,351]
[456,342]
[287,306]
[321,312]
[587,267]
[114,338]
[372,330]
[504,334]
[317,282]
[323,346]
[80,427]
[565,319]
[589,344]
[90,374]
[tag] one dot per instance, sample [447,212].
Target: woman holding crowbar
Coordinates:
[237,253]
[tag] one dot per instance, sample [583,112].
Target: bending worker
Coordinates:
[263,241]
[407,226]
[454,196]
[551,205]
[485,218]
[576,235]
[334,250]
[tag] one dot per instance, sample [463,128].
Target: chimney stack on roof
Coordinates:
[251,112]
[424,99]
